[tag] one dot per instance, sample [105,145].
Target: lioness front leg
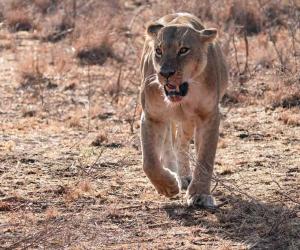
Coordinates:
[206,138]
[152,134]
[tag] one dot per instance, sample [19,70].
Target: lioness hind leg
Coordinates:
[169,157]
[184,136]
[152,134]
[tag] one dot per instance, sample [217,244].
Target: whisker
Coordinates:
[154,81]
[194,82]
[150,77]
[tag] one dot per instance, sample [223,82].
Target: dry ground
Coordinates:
[70,160]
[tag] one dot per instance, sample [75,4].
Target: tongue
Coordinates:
[170,86]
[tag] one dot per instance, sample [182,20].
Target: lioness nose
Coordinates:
[167,72]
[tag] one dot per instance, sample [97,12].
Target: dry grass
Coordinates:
[70,160]
[94,47]
[45,6]
[56,27]
[244,15]
[93,53]
[18,20]
[291,117]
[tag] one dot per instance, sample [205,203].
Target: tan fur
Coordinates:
[166,157]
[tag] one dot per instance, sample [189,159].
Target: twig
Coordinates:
[235,188]
[217,183]
[89,96]
[279,55]
[95,162]
[246,68]
[129,207]
[235,53]
[118,84]
[136,14]
[272,39]
[32,239]
[280,220]
[62,33]
[285,195]
[159,225]
[221,182]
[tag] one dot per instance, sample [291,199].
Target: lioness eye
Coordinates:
[158,51]
[183,50]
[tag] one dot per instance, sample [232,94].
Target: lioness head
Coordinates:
[179,56]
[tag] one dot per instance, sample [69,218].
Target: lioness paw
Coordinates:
[167,185]
[169,191]
[201,200]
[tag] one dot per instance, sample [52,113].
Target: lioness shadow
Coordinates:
[258,225]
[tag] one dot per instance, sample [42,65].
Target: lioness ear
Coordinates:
[153,28]
[208,35]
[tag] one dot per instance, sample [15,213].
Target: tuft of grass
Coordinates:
[246,16]
[285,93]
[57,27]
[32,75]
[95,46]
[51,213]
[98,141]
[45,6]
[92,53]
[226,170]
[75,122]
[18,20]
[82,188]
[290,117]
[29,113]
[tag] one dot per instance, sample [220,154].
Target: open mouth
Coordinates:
[175,94]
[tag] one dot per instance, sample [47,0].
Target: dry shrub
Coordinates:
[82,188]
[32,74]
[19,20]
[226,170]
[8,43]
[56,27]
[28,112]
[279,13]
[94,47]
[285,93]
[291,117]
[75,122]
[99,140]
[92,53]
[5,206]
[85,186]
[96,35]
[7,146]
[230,98]
[51,213]
[45,6]
[245,15]
[222,143]
[286,100]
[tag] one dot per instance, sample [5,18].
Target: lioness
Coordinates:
[184,76]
